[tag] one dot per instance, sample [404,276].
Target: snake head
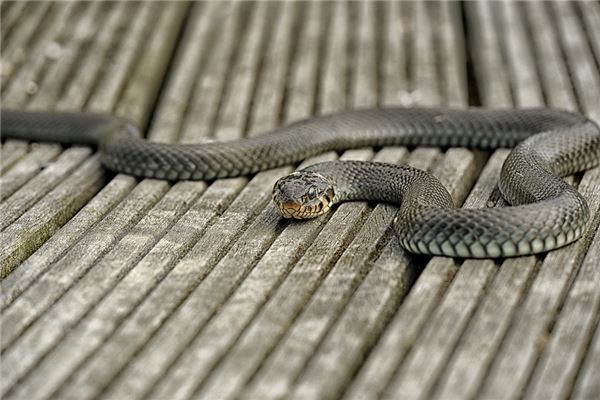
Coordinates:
[303,195]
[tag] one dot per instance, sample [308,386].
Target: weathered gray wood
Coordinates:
[202,109]
[117,71]
[579,58]
[280,370]
[433,98]
[43,293]
[236,99]
[27,82]
[217,285]
[454,76]
[520,349]
[233,316]
[302,276]
[393,65]
[14,53]
[112,311]
[529,330]
[65,58]
[96,169]
[566,348]
[587,386]
[20,76]
[321,364]
[490,74]
[150,66]
[31,229]
[11,12]
[160,291]
[11,152]
[467,366]
[372,380]
[590,12]
[239,210]
[21,278]
[90,62]
[558,367]
[51,176]
[334,85]
[21,201]
[162,45]
[36,160]
[84,220]
[460,375]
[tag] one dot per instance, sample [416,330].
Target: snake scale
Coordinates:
[546,212]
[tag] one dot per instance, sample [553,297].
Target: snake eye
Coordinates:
[312,192]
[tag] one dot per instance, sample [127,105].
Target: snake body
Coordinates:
[546,212]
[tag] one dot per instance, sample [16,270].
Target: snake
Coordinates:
[544,212]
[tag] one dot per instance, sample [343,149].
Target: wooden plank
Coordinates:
[479,345]
[453,79]
[580,59]
[27,84]
[214,289]
[24,248]
[214,201]
[559,364]
[490,74]
[24,171]
[204,283]
[291,361]
[65,58]
[152,61]
[34,190]
[307,384]
[572,333]
[49,178]
[379,367]
[372,389]
[90,62]
[72,231]
[275,369]
[11,152]
[553,73]
[590,12]
[43,293]
[333,82]
[520,350]
[11,11]
[117,71]
[21,278]
[482,338]
[202,110]
[28,232]
[235,314]
[263,333]
[13,51]
[16,77]
[168,18]
[587,386]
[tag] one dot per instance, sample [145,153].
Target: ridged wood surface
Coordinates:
[125,288]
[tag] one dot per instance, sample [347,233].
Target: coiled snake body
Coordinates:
[546,212]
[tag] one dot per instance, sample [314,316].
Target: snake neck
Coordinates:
[382,182]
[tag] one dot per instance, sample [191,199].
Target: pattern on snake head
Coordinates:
[303,195]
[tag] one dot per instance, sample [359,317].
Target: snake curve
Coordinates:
[546,212]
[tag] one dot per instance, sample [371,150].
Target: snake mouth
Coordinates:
[296,210]
[289,209]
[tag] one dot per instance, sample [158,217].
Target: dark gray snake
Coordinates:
[546,212]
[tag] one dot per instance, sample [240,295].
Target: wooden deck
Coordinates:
[119,288]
